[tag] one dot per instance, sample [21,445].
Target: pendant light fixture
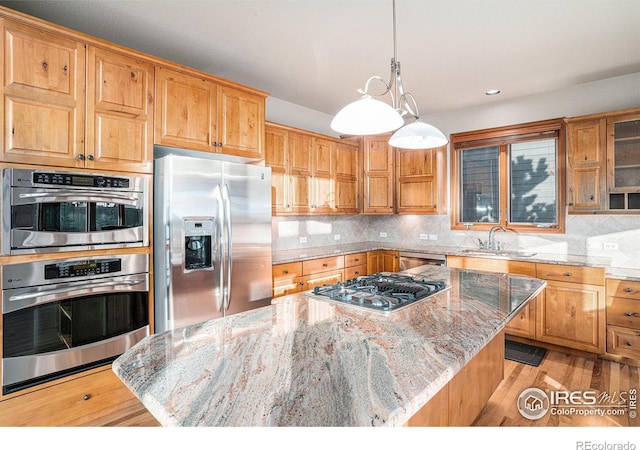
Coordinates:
[368,115]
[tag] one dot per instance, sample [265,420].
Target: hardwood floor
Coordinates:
[562,372]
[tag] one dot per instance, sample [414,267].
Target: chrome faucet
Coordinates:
[491,244]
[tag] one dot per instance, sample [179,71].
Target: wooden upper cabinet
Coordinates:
[586,172]
[300,168]
[312,173]
[378,171]
[240,123]
[347,186]
[186,111]
[276,156]
[420,181]
[44,105]
[119,124]
[196,113]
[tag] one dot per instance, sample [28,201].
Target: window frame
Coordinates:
[502,137]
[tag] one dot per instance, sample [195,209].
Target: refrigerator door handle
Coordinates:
[218,248]
[228,259]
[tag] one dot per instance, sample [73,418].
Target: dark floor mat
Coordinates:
[524,353]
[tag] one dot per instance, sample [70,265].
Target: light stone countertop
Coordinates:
[309,362]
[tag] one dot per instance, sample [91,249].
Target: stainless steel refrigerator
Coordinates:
[212,239]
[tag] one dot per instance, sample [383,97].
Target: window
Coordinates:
[509,176]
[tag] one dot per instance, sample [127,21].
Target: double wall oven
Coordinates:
[61,313]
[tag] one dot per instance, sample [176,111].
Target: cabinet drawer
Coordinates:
[71,403]
[355,259]
[623,288]
[355,271]
[623,312]
[322,265]
[623,342]
[320,279]
[287,271]
[287,286]
[571,274]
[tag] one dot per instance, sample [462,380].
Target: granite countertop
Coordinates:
[287,256]
[309,362]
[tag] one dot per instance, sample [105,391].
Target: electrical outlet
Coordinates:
[433,237]
[424,236]
[336,237]
[594,245]
[611,246]
[303,240]
[383,234]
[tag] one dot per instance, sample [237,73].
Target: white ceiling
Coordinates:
[316,53]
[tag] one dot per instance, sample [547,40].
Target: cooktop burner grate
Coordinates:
[380,292]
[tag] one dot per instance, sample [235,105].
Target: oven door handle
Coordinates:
[57,294]
[83,195]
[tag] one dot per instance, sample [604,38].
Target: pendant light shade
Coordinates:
[366,116]
[418,135]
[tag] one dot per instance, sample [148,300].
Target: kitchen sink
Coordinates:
[502,253]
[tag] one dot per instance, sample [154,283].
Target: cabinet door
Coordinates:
[276,157]
[572,315]
[43,87]
[186,111]
[378,180]
[390,260]
[524,324]
[322,182]
[119,112]
[240,123]
[300,148]
[623,156]
[421,181]
[346,178]
[586,172]
[375,262]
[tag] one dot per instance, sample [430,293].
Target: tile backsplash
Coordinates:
[616,237]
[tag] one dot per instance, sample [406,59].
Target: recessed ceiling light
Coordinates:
[493,92]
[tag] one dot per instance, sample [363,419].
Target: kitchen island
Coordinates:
[310,362]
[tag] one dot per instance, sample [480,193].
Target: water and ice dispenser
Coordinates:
[198,239]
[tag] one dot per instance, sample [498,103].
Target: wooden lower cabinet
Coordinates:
[459,402]
[572,315]
[623,320]
[571,312]
[95,399]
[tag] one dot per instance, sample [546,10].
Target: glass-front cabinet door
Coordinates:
[623,134]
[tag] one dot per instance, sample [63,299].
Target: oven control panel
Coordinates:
[72,179]
[83,268]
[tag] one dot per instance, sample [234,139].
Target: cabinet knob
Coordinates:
[567,274]
[325,265]
[390,207]
[81,157]
[631,314]
[357,259]
[356,272]
[286,272]
[629,344]
[90,157]
[86,397]
[628,290]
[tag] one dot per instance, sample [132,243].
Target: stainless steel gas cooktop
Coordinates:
[381,292]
